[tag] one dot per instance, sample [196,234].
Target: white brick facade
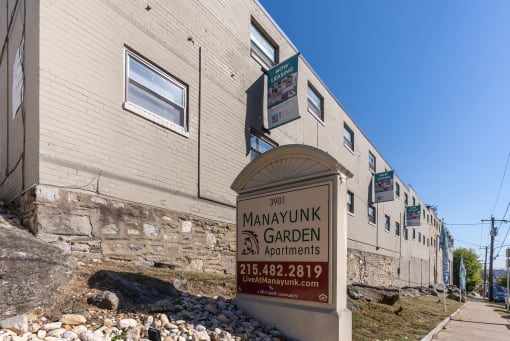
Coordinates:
[80,137]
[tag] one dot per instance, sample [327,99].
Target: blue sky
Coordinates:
[429,84]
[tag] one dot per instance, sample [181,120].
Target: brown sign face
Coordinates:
[283,246]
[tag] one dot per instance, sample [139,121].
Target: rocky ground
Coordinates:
[46,295]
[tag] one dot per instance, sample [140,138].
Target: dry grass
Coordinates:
[374,321]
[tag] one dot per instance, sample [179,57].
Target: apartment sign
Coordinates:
[384,186]
[283,244]
[413,214]
[282,100]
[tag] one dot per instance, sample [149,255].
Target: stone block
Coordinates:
[44,193]
[150,230]
[62,224]
[186,226]
[111,229]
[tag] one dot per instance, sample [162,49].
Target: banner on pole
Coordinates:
[282,100]
[462,274]
[446,263]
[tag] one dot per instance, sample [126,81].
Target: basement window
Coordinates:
[154,94]
[259,144]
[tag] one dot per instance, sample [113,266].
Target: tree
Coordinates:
[502,280]
[472,265]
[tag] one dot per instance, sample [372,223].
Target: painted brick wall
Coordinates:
[89,142]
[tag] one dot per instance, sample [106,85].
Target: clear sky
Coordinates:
[429,84]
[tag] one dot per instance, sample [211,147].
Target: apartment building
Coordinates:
[124,123]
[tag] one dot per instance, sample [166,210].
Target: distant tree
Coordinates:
[472,265]
[502,280]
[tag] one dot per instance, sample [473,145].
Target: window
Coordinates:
[406,233]
[387,223]
[414,233]
[414,203]
[419,237]
[406,199]
[315,103]
[350,202]
[261,49]
[397,189]
[348,137]
[371,214]
[259,144]
[397,228]
[154,94]
[371,162]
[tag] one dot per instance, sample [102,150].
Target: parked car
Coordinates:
[499,296]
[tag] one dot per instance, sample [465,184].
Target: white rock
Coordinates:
[56,332]
[79,329]
[89,336]
[164,319]
[51,326]
[73,319]
[126,323]
[70,335]
[41,333]
[18,324]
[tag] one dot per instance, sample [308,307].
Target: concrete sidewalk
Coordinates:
[477,320]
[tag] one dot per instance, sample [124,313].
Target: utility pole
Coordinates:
[494,232]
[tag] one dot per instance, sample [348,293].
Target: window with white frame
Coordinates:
[350,202]
[154,94]
[397,228]
[348,137]
[397,189]
[259,144]
[386,223]
[371,214]
[262,49]
[406,199]
[371,162]
[315,103]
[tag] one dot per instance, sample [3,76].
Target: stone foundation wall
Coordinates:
[370,268]
[97,226]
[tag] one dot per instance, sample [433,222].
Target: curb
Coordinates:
[440,326]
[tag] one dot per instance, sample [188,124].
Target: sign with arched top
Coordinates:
[292,242]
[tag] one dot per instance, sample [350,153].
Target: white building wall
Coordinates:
[89,142]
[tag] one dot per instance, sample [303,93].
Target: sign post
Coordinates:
[292,242]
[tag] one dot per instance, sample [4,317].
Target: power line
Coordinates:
[501,185]
[467,224]
[461,241]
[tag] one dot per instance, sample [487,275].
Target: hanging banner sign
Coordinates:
[383,186]
[413,214]
[282,100]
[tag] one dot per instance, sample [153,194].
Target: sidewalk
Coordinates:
[477,320]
